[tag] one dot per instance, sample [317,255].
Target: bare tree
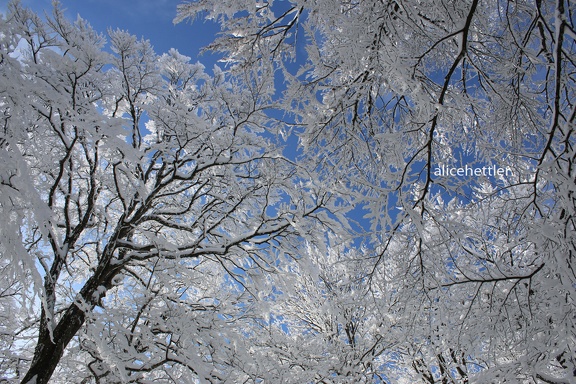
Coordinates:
[390,95]
[144,203]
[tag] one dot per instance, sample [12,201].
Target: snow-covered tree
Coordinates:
[477,268]
[144,203]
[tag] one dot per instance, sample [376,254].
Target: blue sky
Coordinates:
[151,19]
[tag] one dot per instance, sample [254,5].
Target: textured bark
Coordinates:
[49,350]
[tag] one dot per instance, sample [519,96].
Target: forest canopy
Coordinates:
[157,227]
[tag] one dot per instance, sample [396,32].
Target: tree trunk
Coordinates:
[49,350]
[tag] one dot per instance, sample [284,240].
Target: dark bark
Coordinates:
[49,350]
[50,347]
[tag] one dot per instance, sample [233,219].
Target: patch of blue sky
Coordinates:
[148,19]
